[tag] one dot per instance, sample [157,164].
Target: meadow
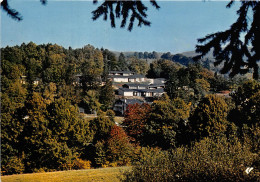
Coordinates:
[102,174]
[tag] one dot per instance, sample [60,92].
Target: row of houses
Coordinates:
[132,77]
[141,90]
[136,89]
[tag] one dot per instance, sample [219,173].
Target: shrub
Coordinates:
[207,160]
[153,165]
[14,165]
[81,164]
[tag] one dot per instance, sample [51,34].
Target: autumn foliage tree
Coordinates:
[119,147]
[136,117]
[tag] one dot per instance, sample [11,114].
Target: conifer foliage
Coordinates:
[122,9]
[238,54]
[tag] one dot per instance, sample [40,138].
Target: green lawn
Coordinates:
[112,174]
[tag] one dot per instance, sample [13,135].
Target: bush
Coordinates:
[207,160]
[14,165]
[153,165]
[81,164]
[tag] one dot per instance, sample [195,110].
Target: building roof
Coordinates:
[121,72]
[117,76]
[136,85]
[143,85]
[126,89]
[159,80]
[129,76]
[157,85]
[159,90]
[136,76]
[132,101]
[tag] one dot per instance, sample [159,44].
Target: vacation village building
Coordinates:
[134,88]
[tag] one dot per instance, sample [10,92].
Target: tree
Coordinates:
[91,102]
[54,66]
[140,55]
[100,128]
[66,124]
[138,66]
[33,60]
[92,65]
[110,60]
[12,126]
[49,92]
[146,55]
[70,93]
[219,82]
[167,56]
[119,148]
[54,134]
[209,118]
[122,64]
[179,58]
[162,69]
[155,55]
[162,124]
[202,87]
[238,47]
[35,132]
[136,117]
[106,96]
[246,99]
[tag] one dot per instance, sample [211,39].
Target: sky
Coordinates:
[175,27]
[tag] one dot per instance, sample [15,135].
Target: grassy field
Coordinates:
[112,174]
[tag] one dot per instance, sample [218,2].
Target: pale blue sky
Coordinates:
[175,27]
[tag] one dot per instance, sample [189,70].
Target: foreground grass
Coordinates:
[112,174]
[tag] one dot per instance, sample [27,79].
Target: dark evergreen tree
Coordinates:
[122,64]
[106,96]
[155,55]
[238,47]
[167,55]
[145,55]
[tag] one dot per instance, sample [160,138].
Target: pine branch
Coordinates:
[12,12]
[228,47]
[123,9]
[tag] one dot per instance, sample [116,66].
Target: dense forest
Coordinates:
[192,132]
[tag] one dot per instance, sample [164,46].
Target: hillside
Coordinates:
[193,53]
